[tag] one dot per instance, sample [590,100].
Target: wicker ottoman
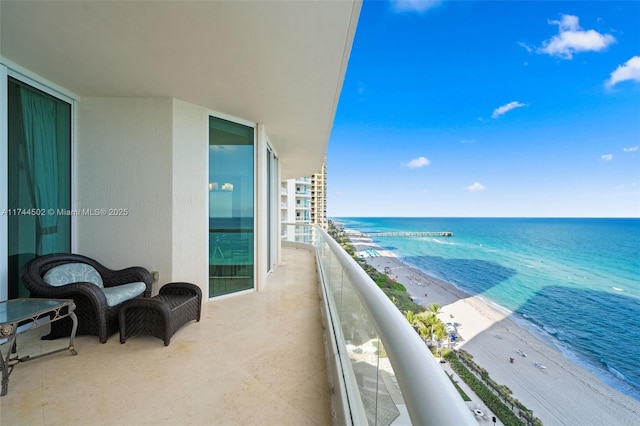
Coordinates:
[161,315]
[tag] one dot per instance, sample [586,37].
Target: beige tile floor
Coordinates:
[255,359]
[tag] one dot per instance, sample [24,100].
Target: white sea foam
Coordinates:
[435,240]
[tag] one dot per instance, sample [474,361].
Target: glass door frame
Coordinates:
[8,69]
[274,211]
[256,151]
[4,189]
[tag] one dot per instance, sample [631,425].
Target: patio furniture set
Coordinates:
[77,295]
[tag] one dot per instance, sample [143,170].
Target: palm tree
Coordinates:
[423,331]
[427,323]
[440,330]
[409,315]
[421,324]
[434,308]
[418,324]
[431,321]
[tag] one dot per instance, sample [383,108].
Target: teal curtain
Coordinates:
[38,179]
[39,124]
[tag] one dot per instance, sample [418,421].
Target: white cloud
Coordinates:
[418,162]
[607,157]
[226,149]
[572,39]
[631,148]
[631,185]
[506,108]
[629,71]
[475,187]
[467,141]
[414,5]
[525,46]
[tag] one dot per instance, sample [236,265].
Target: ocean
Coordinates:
[575,283]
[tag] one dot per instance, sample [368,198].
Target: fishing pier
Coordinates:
[406,234]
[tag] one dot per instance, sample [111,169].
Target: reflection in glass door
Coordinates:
[231,207]
[38,178]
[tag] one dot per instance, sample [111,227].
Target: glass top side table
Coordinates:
[18,316]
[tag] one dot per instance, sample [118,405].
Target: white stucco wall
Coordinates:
[124,160]
[190,195]
[150,156]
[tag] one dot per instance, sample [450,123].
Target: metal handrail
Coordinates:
[429,395]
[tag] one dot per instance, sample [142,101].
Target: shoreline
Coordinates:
[558,390]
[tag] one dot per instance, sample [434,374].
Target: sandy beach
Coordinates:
[558,391]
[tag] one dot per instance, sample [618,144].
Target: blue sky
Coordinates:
[499,109]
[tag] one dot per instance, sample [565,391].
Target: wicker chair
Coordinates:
[95,316]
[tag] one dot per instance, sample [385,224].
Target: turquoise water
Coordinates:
[573,282]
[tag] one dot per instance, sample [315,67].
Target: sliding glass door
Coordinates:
[231,207]
[39,178]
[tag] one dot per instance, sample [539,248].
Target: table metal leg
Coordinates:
[6,367]
[73,333]
[31,314]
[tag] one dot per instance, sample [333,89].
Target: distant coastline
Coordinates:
[484,320]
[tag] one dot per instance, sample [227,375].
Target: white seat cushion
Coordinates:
[118,294]
[72,273]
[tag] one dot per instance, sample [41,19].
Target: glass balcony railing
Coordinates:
[384,373]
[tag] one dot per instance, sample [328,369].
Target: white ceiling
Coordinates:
[280,63]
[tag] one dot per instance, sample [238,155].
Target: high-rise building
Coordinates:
[304,200]
[319,197]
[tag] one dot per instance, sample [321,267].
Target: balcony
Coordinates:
[383,373]
[320,345]
[252,359]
